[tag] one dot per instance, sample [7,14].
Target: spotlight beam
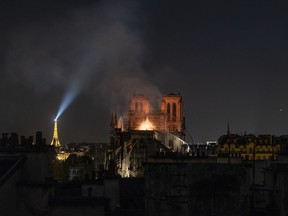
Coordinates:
[67,100]
[70,95]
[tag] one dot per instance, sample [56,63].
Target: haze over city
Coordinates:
[227,60]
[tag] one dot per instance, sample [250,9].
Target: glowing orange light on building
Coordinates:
[146,125]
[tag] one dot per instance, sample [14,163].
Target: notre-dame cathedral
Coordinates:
[142,132]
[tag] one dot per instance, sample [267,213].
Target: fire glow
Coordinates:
[146,125]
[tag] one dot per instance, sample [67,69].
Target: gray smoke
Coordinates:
[98,47]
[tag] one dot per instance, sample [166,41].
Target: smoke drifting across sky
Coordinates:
[227,60]
[84,43]
[94,50]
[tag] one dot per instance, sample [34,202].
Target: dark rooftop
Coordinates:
[8,165]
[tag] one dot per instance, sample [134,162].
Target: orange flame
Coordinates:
[146,125]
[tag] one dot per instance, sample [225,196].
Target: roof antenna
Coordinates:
[228,128]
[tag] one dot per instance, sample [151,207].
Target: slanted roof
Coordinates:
[8,165]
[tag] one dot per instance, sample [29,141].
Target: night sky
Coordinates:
[228,59]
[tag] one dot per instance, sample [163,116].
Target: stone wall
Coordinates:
[191,188]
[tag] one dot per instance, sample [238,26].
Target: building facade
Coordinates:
[143,131]
[195,186]
[141,116]
[249,146]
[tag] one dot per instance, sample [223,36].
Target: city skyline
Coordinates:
[226,59]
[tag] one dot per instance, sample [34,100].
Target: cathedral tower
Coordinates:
[139,109]
[172,115]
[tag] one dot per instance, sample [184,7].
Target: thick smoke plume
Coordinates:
[95,51]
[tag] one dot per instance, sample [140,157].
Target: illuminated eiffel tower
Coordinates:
[55,140]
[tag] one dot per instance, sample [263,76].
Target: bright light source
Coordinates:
[70,95]
[146,125]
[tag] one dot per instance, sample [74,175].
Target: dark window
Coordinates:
[174,112]
[168,110]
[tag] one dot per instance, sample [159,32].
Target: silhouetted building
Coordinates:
[39,139]
[195,186]
[10,174]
